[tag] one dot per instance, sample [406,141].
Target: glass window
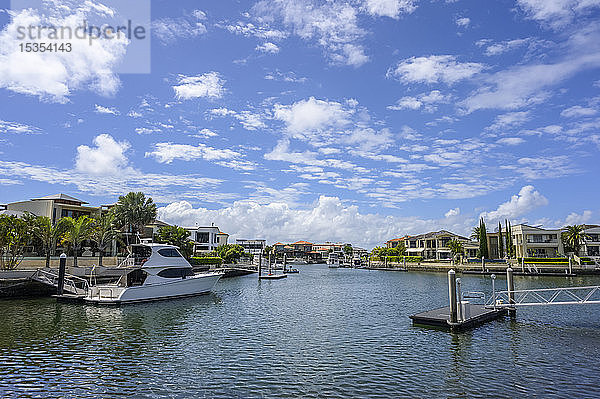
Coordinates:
[169,253]
[202,237]
[176,272]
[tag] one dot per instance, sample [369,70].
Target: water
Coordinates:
[335,333]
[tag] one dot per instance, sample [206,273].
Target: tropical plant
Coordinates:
[456,247]
[133,211]
[483,245]
[15,234]
[348,249]
[76,232]
[500,241]
[177,236]
[573,237]
[476,233]
[230,253]
[103,233]
[49,234]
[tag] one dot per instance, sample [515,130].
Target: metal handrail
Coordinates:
[546,296]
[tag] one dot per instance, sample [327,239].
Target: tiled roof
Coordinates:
[60,196]
[303,242]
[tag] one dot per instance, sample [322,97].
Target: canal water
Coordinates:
[326,333]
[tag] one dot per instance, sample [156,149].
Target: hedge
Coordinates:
[211,260]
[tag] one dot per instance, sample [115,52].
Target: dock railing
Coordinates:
[546,296]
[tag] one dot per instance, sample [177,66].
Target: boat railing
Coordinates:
[97,292]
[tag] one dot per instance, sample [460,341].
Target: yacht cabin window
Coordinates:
[169,253]
[176,272]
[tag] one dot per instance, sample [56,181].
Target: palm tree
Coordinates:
[103,233]
[49,234]
[574,236]
[456,248]
[476,233]
[133,211]
[77,231]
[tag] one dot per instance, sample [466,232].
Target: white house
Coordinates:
[207,238]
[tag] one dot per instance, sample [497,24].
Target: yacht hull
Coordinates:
[191,286]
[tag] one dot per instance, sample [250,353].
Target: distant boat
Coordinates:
[160,272]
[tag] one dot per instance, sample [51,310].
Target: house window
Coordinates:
[202,237]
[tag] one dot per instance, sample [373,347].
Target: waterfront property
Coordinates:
[54,207]
[309,251]
[536,242]
[254,247]
[433,245]
[591,241]
[207,238]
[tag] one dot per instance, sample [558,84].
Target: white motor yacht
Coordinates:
[159,272]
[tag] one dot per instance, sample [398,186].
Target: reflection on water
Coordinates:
[322,333]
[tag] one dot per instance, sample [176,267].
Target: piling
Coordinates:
[461,316]
[404,262]
[452,295]
[511,291]
[385,261]
[62,268]
[270,263]
[570,265]
[482,264]
[259,264]
[284,262]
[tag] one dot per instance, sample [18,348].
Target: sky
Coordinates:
[355,121]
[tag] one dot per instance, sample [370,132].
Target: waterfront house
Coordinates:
[206,238]
[591,244]
[536,242]
[55,207]
[434,245]
[254,247]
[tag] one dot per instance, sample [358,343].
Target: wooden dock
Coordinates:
[440,317]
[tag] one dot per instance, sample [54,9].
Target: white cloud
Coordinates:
[17,128]
[577,111]
[268,47]
[389,8]
[574,218]
[502,47]
[209,85]
[168,30]
[509,120]
[463,22]
[108,157]
[329,219]
[286,77]
[312,115]
[99,109]
[434,69]
[452,212]
[556,13]
[526,201]
[168,152]
[425,101]
[331,25]
[54,75]
[544,167]
[510,141]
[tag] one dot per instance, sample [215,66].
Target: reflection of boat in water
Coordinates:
[160,272]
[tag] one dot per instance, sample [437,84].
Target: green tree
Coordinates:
[500,241]
[483,246]
[510,247]
[134,211]
[573,237]
[456,248]
[77,231]
[49,234]
[103,233]
[476,233]
[348,249]
[15,234]
[177,236]
[230,253]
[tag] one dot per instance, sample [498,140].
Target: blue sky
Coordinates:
[340,120]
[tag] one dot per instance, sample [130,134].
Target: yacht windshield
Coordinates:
[176,272]
[169,253]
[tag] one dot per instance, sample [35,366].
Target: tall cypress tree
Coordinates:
[483,247]
[500,241]
[510,249]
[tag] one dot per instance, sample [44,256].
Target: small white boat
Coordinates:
[159,272]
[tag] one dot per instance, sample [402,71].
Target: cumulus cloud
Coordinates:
[107,157]
[209,85]
[463,22]
[168,152]
[311,115]
[329,219]
[509,120]
[268,47]
[99,109]
[434,69]
[556,13]
[424,101]
[54,75]
[520,204]
[578,111]
[510,141]
[575,218]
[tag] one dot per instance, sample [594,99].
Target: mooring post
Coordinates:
[493,276]
[570,265]
[452,294]
[270,263]
[62,268]
[459,296]
[284,262]
[259,264]
[404,261]
[511,291]
[385,261]
[523,264]
[482,264]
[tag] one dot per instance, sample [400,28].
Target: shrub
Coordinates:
[211,260]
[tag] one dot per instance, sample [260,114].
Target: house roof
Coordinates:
[396,239]
[63,197]
[279,243]
[303,242]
